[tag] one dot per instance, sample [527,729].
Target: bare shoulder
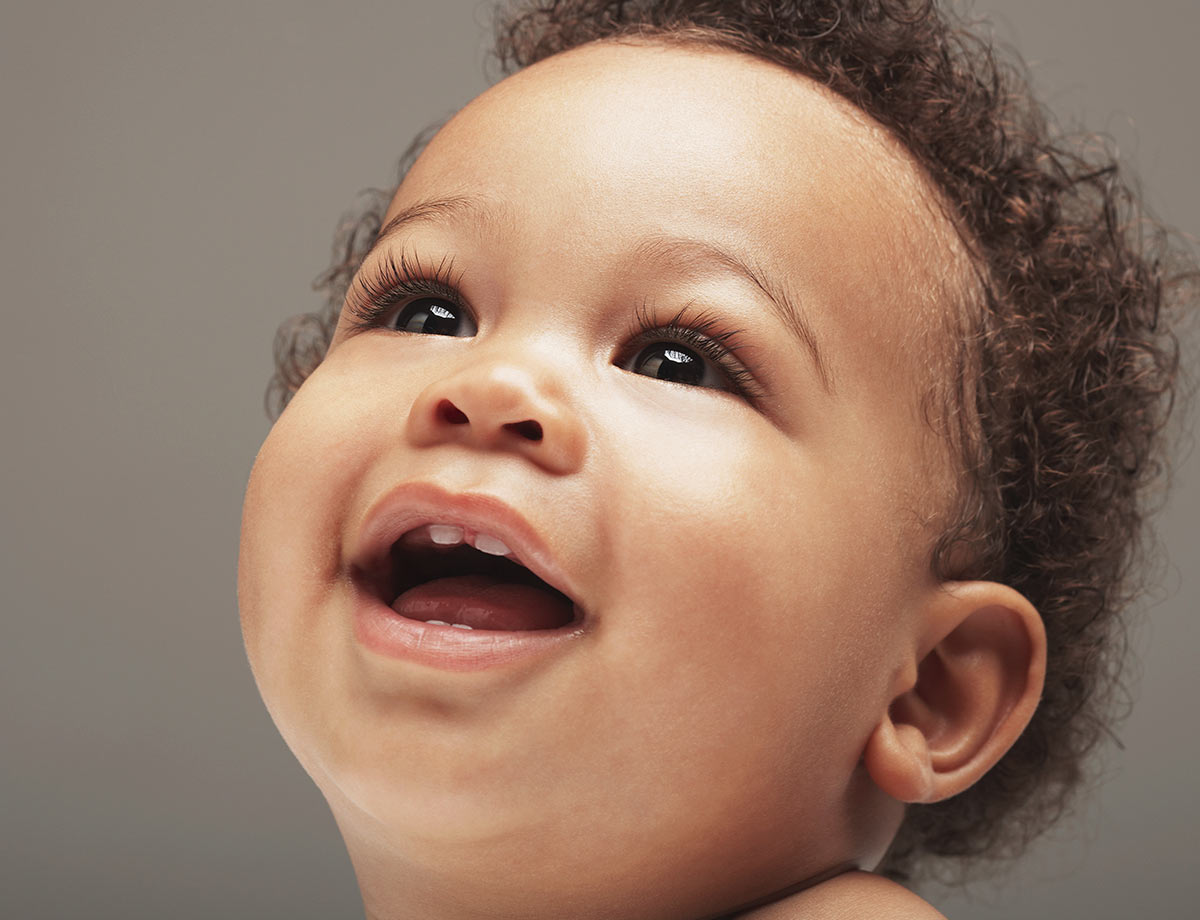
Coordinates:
[851,896]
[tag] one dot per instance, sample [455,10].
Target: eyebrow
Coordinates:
[696,254]
[456,208]
[688,252]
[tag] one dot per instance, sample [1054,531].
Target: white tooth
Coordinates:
[445,534]
[490,545]
[438,622]
[461,626]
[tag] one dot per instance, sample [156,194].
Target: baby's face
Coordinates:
[736,499]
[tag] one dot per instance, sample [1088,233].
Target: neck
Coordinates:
[434,880]
[394,890]
[759,908]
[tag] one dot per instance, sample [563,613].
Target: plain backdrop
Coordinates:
[172,173]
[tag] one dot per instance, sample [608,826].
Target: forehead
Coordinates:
[588,152]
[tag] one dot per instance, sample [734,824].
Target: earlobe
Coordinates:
[979,667]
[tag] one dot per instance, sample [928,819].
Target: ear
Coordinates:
[975,680]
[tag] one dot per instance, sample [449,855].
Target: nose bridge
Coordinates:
[517,386]
[522,363]
[507,396]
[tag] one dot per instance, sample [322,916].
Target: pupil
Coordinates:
[667,362]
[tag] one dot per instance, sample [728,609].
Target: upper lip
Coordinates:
[412,505]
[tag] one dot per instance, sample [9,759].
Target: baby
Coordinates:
[714,480]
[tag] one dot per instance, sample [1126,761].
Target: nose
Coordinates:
[503,407]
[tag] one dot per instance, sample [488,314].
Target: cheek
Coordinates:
[741,584]
[292,536]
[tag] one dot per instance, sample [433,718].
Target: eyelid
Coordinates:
[383,286]
[707,333]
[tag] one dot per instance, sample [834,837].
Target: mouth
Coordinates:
[454,565]
[450,575]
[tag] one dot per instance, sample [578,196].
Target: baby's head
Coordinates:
[814,394]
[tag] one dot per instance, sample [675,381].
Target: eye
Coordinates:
[672,361]
[435,316]
[697,351]
[401,294]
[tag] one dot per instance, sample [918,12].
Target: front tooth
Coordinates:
[445,534]
[490,545]
[461,626]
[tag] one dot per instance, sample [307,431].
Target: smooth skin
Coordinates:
[769,671]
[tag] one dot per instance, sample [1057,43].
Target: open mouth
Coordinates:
[451,576]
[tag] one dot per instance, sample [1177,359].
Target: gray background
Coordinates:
[171,177]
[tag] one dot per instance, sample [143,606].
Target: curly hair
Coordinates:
[1064,371]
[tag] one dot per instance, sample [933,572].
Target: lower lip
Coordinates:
[383,631]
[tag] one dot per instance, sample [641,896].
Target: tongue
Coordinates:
[484,602]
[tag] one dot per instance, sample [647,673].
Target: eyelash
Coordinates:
[375,294]
[707,335]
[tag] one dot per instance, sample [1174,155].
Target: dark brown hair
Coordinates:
[1063,370]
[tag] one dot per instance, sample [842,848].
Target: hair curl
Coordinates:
[1064,371]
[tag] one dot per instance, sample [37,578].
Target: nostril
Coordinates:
[527,429]
[448,412]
